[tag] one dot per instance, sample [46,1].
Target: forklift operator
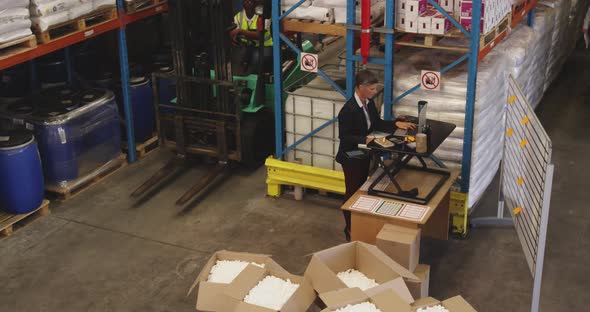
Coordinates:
[246,31]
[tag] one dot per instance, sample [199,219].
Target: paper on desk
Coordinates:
[378,134]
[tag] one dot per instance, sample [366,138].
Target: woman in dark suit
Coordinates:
[357,119]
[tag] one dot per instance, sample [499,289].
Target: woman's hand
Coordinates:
[405,125]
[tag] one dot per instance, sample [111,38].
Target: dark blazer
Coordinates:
[353,128]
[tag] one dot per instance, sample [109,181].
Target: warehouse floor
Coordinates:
[102,251]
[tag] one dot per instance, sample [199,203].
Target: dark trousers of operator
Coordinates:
[354,177]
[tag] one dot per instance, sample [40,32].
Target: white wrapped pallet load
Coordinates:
[311,13]
[12,20]
[449,105]
[330,3]
[12,4]
[558,53]
[544,16]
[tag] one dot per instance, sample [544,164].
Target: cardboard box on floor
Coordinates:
[208,294]
[235,293]
[385,300]
[401,244]
[368,259]
[454,304]
[419,289]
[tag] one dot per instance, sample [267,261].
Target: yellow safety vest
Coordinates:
[243,24]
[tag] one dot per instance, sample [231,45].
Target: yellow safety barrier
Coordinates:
[286,173]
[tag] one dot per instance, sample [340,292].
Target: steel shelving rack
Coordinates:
[119,24]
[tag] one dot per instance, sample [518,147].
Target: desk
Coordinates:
[439,131]
[366,225]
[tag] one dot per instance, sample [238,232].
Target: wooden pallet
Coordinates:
[77,25]
[140,5]
[145,148]
[317,27]
[14,47]
[10,222]
[500,30]
[65,193]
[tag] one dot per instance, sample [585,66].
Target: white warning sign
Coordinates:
[309,62]
[430,80]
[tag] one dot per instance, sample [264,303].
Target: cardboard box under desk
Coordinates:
[366,225]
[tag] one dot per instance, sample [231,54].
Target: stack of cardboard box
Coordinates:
[397,290]
[419,16]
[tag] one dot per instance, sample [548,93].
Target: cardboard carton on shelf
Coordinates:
[419,289]
[386,300]
[234,294]
[326,264]
[401,244]
[209,294]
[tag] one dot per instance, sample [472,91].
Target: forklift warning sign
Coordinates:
[309,62]
[430,80]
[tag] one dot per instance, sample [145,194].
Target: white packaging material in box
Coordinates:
[436,308]
[272,292]
[353,278]
[311,13]
[360,307]
[11,4]
[225,271]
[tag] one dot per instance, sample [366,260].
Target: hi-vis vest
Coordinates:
[243,24]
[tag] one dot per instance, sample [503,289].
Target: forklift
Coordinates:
[223,111]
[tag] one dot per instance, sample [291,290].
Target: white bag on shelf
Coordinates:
[312,13]
[80,10]
[43,23]
[14,19]
[305,4]
[11,4]
[14,35]
[52,7]
[100,4]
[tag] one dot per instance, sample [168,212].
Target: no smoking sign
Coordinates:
[309,62]
[430,80]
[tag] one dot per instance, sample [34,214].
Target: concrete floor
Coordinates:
[102,251]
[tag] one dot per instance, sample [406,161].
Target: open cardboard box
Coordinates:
[385,300]
[234,294]
[368,259]
[454,304]
[419,289]
[208,294]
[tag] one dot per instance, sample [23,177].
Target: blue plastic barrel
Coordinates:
[103,130]
[144,119]
[59,144]
[21,175]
